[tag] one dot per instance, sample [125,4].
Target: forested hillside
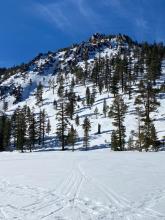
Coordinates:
[108,91]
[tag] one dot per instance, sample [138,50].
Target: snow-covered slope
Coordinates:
[47,67]
[89,185]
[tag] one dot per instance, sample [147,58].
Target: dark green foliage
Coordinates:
[20,129]
[77,120]
[72,137]
[96,112]
[5,132]
[147,103]
[86,127]
[105,108]
[32,131]
[39,93]
[114,141]
[88,96]
[41,127]
[70,106]
[48,127]
[62,126]
[5,106]
[117,112]
[99,129]
[17,92]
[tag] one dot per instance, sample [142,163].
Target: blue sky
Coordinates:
[28,27]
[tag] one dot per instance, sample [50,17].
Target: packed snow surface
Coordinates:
[80,185]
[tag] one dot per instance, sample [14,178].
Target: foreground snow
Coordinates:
[82,185]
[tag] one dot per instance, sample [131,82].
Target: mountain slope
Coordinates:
[78,62]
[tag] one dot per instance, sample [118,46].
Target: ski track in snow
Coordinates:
[66,198]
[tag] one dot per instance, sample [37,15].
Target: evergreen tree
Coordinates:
[114,84]
[48,127]
[139,134]
[88,96]
[117,112]
[105,108]
[154,139]
[114,141]
[32,131]
[72,137]
[5,106]
[148,103]
[39,94]
[131,141]
[62,126]
[17,92]
[55,104]
[96,112]
[5,132]
[86,127]
[20,129]
[70,106]
[77,120]
[53,85]
[42,126]
[99,129]
[60,91]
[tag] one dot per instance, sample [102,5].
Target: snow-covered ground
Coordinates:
[97,184]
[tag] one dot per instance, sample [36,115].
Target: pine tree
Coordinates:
[17,92]
[32,132]
[105,108]
[117,112]
[5,106]
[131,141]
[60,91]
[5,132]
[53,85]
[39,127]
[70,106]
[43,125]
[55,104]
[72,137]
[114,141]
[148,103]
[62,126]
[107,77]
[99,129]
[139,134]
[95,72]
[114,88]
[88,96]
[86,126]
[72,83]
[77,120]
[96,112]
[154,139]
[20,129]
[92,99]
[39,94]
[48,127]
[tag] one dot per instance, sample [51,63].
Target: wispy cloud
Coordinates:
[130,12]
[86,11]
[68,14]
[114,3]
[141,22]
[53,13]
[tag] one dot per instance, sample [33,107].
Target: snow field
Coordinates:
[93,185]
